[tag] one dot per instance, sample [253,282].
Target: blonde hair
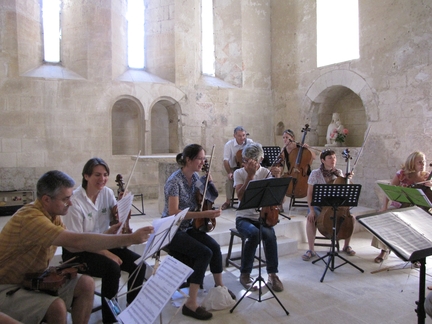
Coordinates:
[409,165]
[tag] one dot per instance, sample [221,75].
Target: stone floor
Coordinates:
[383,293]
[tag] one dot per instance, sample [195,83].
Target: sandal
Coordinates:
[416,264]
[348,250]
[308,255]
[225,206]
[379,258]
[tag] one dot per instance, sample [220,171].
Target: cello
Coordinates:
[345,221]
[204,224]
[300,160]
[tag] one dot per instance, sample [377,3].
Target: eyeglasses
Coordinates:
[201,158]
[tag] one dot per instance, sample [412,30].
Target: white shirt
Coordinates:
[240,176]
[230,150]
[84,216]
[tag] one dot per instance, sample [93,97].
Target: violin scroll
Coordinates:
[120,191]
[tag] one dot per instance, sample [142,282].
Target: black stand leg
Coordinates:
[330,264]
[259,279]
[421,314]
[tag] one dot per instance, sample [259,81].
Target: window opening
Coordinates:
[337,31]
[135,18]
[207,34]
[51,31]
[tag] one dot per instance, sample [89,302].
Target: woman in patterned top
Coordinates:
[198,247]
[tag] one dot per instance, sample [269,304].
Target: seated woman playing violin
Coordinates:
[412,171]
[92,212]
[199,247]
[247,220]
[326,174]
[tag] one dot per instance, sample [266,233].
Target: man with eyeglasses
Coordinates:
[232,160]
[28,242]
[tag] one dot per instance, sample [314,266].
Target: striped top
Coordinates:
[26,242]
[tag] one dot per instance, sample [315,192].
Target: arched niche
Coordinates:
[165,127]
[346,93]
[340,99]
[127,127]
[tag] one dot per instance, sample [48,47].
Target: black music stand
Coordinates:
[263,193]
[408,233]
[271,155]
[335,195]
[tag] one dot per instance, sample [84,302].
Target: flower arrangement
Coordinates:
[339,136]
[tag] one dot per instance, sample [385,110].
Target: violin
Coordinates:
[120,191]
[270,214]
[345,221]
[239,156]
[426,189]
[300,160]
[53,278]
[204,224]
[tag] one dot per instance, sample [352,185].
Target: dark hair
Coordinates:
[89,166]
[289,132]
[52,182]
[191,151]
[325,153]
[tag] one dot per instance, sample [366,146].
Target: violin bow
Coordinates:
[361,149]
[207,179]
[133,169]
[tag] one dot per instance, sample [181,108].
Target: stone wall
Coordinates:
[57,117]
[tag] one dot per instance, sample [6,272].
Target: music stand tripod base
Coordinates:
[335,195]
[263,193]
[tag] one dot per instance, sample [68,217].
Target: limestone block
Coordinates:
[165,170]
[8,160]
[10,145]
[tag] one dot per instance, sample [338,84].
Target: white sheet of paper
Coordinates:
[124,206]
[156,292]
[164,230]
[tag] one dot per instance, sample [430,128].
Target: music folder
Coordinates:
[408,195]
[407,231]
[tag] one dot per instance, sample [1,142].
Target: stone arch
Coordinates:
[165,126]
[347,93]
[127,126]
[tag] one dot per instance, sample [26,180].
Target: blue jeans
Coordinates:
[200,249]
[250,229]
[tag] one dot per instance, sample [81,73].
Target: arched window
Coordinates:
[135,18]
[51,30]
[337,31]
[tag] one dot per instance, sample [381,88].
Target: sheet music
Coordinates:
[406,230]
[124,206]
[164,230]
[156,292]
